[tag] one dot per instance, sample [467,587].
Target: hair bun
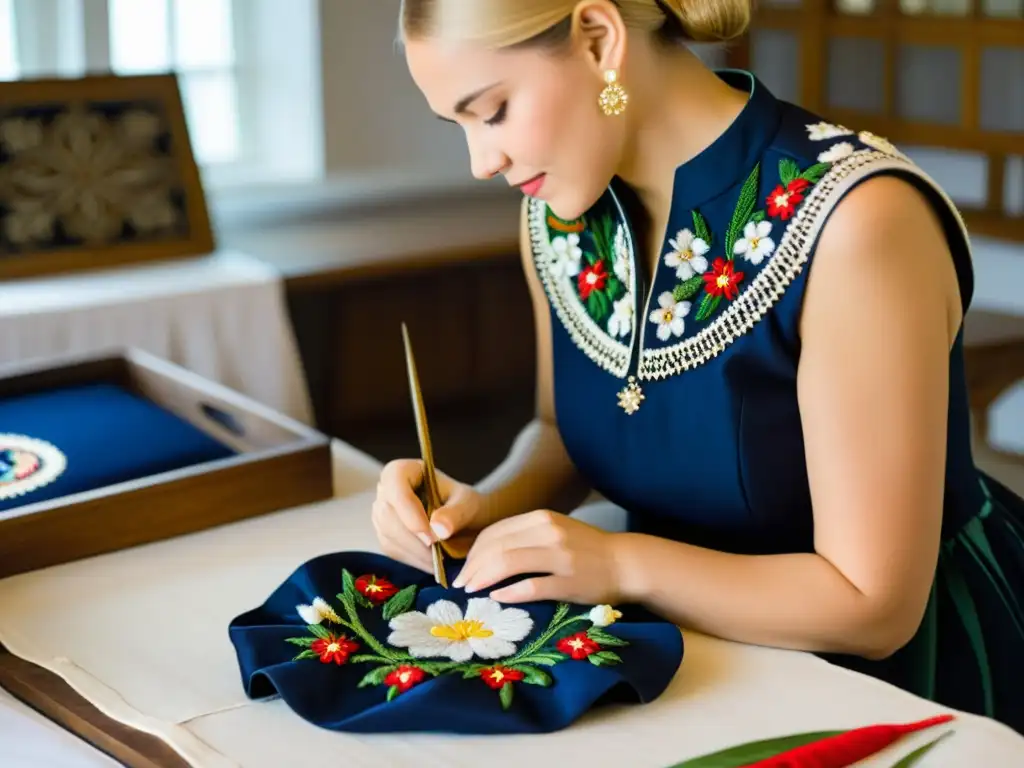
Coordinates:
[709,21]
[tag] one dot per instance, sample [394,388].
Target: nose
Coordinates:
[486,162]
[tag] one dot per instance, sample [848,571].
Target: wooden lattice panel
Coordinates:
[943,74]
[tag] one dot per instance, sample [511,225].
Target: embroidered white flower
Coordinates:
[487,630]
[687,255]
[566,255]
[623,265]
[317,612]
[755,243]
[822,131]
[621,321]
[879,143]
[669,316]
[604,615]
[836,152]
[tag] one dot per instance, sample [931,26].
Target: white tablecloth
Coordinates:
[222,316]
[149,647]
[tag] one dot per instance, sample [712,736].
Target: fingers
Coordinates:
[398,481]
[511,562]
[528,590]
[523,544]
[397,541]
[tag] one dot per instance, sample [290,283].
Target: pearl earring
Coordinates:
[613,98]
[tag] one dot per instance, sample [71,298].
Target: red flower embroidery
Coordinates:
[577,646]
[404,678]
[591,279]
[783,200]
[336,649]
[374,589]
[722,280]
[497,676]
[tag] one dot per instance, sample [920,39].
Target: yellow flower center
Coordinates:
[782,200]
[754,241]
[374,588]
[666,315]
[461,631]
[334,647]
[404,677]
[686,255]
[497,675]
[576,644]
[723,281]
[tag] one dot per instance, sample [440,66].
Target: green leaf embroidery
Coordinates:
[348,584]
[700,228]
[613,288]
[758,217]
[368,658]
[708,304]
[604,658]
[392,692]
[307,654]
[605,639]
[914,757]
[363,600]
[400,602]
[534,676]
[472,670]
[598,306]
[815,172]
[789,171]
[744,210]
[303,642]
[319,631]
[505,694]
[545,658]
[688,288]
[376,676]
[745,754]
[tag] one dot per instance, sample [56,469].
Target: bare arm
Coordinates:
[881,310]
[537,474]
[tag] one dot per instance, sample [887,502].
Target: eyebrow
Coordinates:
[463,104]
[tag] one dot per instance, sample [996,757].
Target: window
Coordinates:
[241,108]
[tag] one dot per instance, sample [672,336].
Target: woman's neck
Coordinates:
[678,108]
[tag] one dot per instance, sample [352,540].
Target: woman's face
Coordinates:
[528,114]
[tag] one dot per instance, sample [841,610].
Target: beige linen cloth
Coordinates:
[143,635]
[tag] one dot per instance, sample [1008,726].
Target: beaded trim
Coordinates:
[27,465]
[753,303]
[609,353]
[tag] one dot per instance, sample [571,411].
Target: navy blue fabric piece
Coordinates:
[328,695]
[107,434]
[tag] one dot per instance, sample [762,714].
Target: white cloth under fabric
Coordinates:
[221,316]
[143,635]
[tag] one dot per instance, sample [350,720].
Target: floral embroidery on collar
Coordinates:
[482,641]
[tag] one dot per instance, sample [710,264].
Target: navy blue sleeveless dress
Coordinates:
[685,389]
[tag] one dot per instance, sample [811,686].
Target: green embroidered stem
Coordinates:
[356,626]
[557,624]
[744,210]
[708,304]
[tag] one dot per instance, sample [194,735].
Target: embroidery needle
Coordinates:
[428,490]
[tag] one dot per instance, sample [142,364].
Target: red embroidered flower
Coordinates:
[374,589]
[497,676]
[335,648]
[591,279]
[783,200]
[722,280]
[577,646]
[404,678]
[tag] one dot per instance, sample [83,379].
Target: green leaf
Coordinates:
[560,612]
[348,584]
[688,288]
[545,658]
[914,757]
[319,631]
[707,306]
[303,642]
[400,602]
[598,307]
[606,639]
[700,227]
[307,654]
[472,670]
[788,171]
[376,676]
[367,658]
[744,210]
[745,754]
[534,676]
[815,172]
[604,658]
[613,289]
[758,217]
[505,694]
[363,600]
[392,692]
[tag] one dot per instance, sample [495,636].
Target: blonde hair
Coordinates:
[504,23]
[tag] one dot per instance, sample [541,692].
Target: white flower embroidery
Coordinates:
[604,615]
[879,143]
[487,630]
[755,243]
[566,255]
[836,152]
[317,612]
[687,255]
[623,265]
[822,131]
[669,316]
[621,321]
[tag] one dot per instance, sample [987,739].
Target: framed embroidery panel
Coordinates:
[103,452]
[95,172]
[942,76]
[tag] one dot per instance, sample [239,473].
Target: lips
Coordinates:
[533,186]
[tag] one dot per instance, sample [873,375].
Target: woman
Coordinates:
[749,334]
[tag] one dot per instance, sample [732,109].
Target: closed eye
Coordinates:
[499,116]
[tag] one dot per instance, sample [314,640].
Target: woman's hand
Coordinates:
[580,559]
[401,522]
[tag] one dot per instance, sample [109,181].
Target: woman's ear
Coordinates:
[599,33]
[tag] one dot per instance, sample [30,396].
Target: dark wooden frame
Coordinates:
[815,22]
[162,88]
[251,483]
